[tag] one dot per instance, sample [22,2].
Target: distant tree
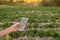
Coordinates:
[57,2]
[2,1]
[51,2]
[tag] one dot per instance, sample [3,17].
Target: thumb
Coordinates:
[16,25]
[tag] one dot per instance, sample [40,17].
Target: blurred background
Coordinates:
[31,2]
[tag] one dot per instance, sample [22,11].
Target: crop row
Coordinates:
[8,37]
[40,33]
[29,8]
[33,25]
[32,17]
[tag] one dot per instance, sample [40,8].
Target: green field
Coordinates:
[43,21]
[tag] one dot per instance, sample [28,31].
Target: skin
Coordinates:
[9,30]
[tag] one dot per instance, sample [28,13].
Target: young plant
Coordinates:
[42,33]
[36,25]
[8,37]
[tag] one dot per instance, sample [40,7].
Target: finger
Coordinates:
[16,24]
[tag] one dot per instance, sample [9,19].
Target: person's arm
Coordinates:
[12,28]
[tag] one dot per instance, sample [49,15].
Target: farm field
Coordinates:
[44,22]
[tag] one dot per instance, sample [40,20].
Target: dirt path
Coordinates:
[35,38]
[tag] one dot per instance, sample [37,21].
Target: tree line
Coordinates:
[44,2]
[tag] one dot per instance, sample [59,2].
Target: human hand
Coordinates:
[15,27]
[9,30]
